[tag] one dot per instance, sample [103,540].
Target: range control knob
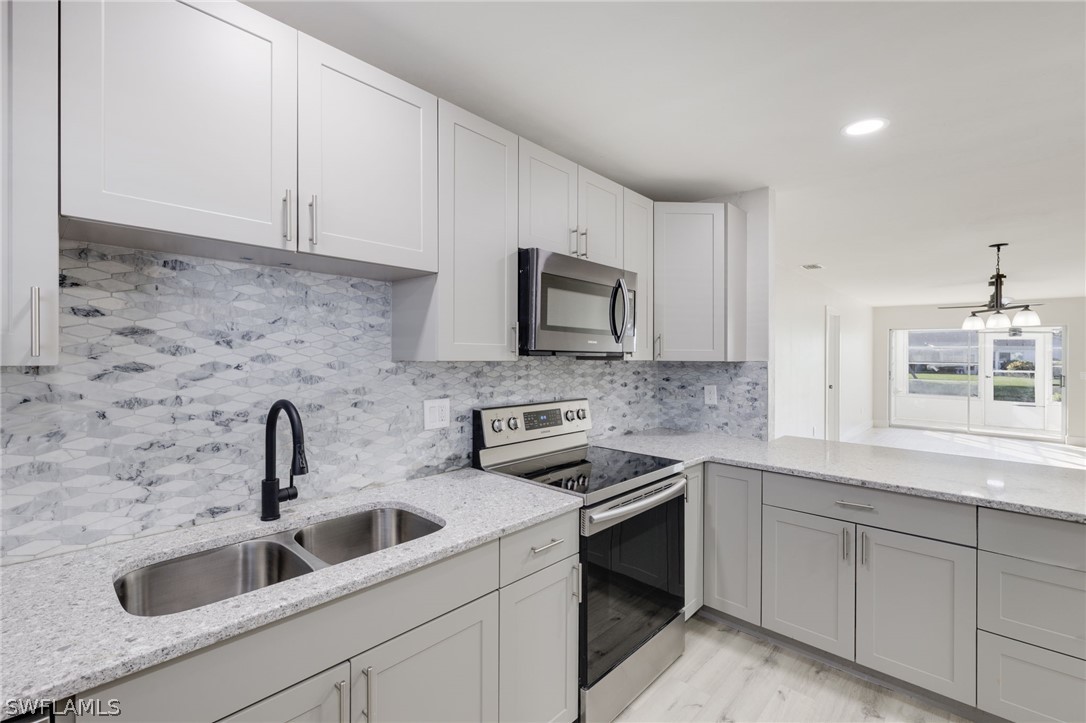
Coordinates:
[513,423]
[497,425]
[581,414]
[571,484]
[582,480]
[569,415]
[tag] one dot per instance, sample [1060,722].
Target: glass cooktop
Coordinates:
[596,473]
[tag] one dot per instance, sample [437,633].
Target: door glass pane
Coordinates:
[1057,366]
[942,362]
[1014,365]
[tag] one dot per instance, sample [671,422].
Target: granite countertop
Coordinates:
[64,631]
[1034,489]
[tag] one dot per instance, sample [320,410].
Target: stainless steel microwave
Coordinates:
[572,306]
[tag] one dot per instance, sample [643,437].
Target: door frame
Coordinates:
[832,383]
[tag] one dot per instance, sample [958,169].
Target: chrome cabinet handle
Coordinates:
[549,545]
[313,219]
[585,235]
[863,548]
[855,505]
[515,329]
[577,581]
[344,702]
[369,695]
[576,248]
[658,343]
[844,544]
[35,321]
[288,232]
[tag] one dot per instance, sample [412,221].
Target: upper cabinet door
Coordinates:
[548,200]
[599,218]
[179,117]
[690,249]
[367,179]
[637,257]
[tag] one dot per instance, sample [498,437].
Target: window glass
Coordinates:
[942,362]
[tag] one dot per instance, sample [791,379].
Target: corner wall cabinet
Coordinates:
[468,312]
[180,117]
[29,233]
[637,257]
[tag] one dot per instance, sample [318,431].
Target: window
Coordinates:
[942,362]
[1057,366]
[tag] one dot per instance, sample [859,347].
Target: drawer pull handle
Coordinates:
[856,505]
[549,545]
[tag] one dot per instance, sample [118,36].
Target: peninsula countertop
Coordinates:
[64,631]
[1034,489]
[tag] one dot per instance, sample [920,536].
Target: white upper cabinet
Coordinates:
[548,200]
[179,117]
[468,312]
[29,232]
[367,173]
[637,257]
[600,213]
[690,296]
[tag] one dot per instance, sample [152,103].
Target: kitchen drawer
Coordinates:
[530,550]
[1032,602]
[1057,542]
[938,520]
[1021,682]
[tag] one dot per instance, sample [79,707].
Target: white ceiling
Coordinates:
[686,101]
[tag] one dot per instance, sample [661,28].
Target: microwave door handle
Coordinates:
[615,291]
[625,310]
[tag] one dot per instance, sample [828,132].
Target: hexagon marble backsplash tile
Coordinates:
[154,419]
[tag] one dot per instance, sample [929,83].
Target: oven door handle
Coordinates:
[629,510]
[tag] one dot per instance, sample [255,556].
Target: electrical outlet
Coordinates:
[435,413]
[710,395]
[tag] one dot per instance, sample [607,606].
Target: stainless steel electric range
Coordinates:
[631,624]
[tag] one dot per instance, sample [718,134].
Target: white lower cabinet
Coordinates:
[1022,682]
[916,611]
[808,590]
[324,698]
[733,541]
[445,670]
[693,551]
[538,650]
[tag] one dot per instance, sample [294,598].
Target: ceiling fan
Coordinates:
[996,306]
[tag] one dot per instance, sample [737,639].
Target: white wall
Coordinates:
[1070,313]
[798,361]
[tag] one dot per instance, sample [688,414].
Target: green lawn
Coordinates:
[1008,381]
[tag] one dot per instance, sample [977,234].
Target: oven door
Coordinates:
[572,306]
[632,574]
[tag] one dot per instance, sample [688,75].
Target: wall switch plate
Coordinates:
[710,395]
[435,413]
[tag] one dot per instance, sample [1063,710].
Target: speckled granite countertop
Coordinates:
[1030,488]
[63,630]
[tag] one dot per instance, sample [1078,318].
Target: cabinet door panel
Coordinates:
[1025,684]
[548,200]
[916,611]
[539,646]
[320,699]
[733,541]
[179,117]
[367,146]
[599,215]
[693,552]
[637,257]
[445,670]
[689,251]
[808,579]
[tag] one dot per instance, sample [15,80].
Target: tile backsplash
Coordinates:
[154,419]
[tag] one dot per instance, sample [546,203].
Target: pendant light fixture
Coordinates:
[996,306]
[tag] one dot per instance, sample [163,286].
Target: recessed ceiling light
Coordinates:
[812,267]
[863,127]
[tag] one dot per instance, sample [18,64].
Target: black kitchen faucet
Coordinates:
[270,493]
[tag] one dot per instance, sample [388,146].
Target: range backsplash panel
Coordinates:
[154,419]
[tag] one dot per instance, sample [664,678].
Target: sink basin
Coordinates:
[194,580]
[351,536]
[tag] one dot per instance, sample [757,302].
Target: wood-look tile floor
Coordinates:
[729,675]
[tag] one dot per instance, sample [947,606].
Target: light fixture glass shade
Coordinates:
[998,320]
[1027,317]
[973,322]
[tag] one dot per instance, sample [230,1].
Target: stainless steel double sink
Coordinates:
[201,578]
